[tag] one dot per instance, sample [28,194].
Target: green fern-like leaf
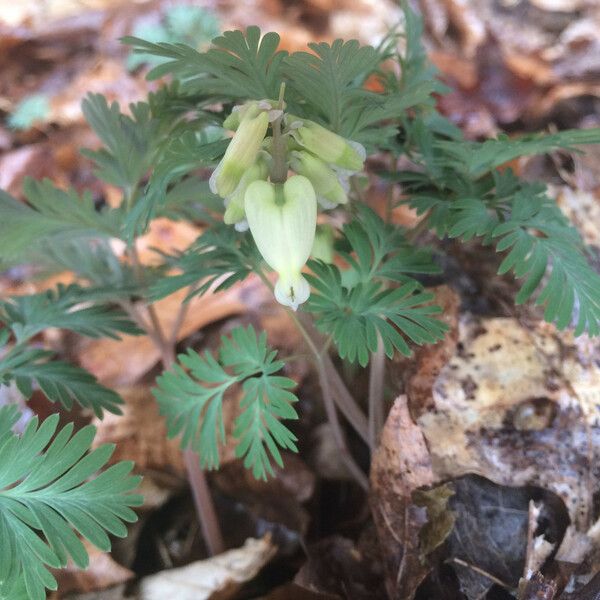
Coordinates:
[59,381]
[47,496]
[218,259]
[191,400]
[545,251]
[478,158]
[130,142]
[51,213]
[239,66]
[331,78]
[357,316]
[65,308]
[357,307]
[379,250]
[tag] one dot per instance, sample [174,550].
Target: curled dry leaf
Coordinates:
[401,464]
[220,576]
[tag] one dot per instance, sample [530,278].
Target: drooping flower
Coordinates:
[282,219]
[241,153]
[328,146]
[325,181]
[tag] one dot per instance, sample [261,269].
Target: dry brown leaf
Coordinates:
[165,236]
[108,77]
[103,572]
[121,363]
[401,464]
[420,374]
[36,14]
[518,406]
[140,434]
[220,576]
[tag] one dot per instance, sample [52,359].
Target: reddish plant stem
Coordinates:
[205,509]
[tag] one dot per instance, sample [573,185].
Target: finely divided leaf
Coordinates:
[65,308]
[51,213]
[239,66]
[357,316]
[59,381]
[47,496]
[191,399]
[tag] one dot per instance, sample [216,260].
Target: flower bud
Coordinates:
[251,109]
[323,245]
[327,186]
[328,146]
[235,212]
[282,219]
[240,154]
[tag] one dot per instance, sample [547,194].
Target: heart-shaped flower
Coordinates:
[282,220]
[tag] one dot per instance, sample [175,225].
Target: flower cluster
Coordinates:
[281,208]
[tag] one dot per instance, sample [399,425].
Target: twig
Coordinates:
[481,571]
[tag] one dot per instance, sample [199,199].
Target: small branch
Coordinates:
[376,384]
[485,574]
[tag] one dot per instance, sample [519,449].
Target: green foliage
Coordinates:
[327,85]
[131,143]
[239,66]
[464,195]
[30,111]
[50,214]
[192,402]
[331,78]
[183,154]
[475,159]
[185,24]
[357,307]
[546,252]
[59,381]
[47,496]
[65,308]
[220,257]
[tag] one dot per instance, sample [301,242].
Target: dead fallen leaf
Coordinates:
[400,465]
[338,567]
[106,358]
[103,572]
[219,576]
[518,406]
[140,435]
[165,236]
